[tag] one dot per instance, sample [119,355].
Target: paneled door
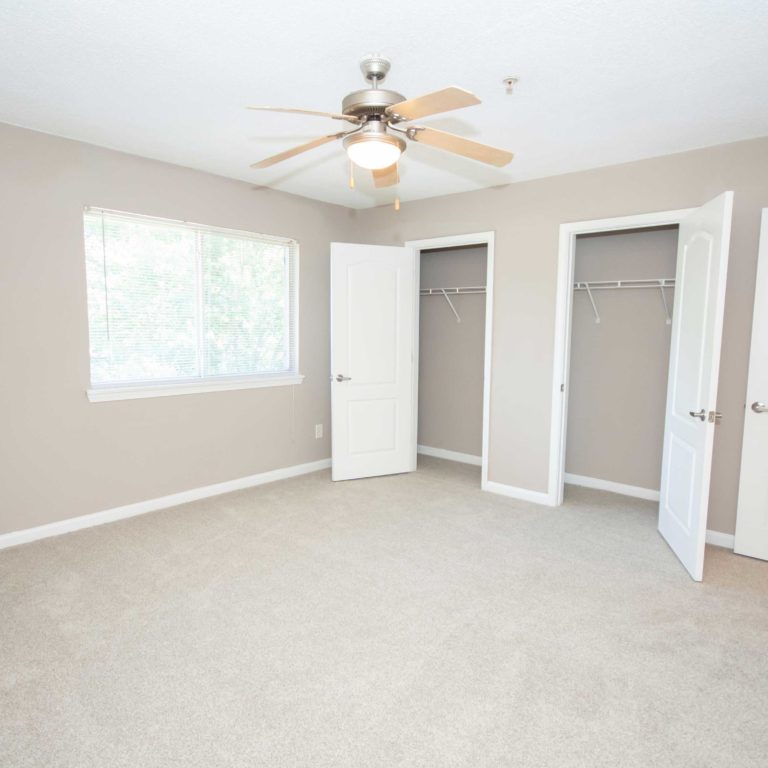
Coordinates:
[752,514]
[374,306]
[691,417]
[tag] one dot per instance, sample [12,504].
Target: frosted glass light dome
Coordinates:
[374,154]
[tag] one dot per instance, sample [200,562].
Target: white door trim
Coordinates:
[563,318]
[451,241]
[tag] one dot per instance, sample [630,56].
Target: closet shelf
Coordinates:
[443,291]
[660,283]
[604,285]
[454,291]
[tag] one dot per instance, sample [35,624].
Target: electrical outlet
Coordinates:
[318,431]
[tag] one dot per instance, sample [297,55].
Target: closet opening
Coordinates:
[454,342]
[622,302]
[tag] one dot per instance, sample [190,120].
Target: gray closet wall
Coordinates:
[618,372]
[450,353]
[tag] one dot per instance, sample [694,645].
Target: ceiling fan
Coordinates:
[377,142]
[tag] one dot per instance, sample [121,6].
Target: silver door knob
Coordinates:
[702,414]
[343,378]
[759,407]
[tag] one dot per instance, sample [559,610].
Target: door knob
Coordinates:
[343,378]
[702,414]
[759,407]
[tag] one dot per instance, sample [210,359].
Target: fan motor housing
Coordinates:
[369,102]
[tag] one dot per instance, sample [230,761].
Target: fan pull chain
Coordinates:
[351,175]
[397,203]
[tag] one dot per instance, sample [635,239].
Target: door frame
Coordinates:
[563,320]
[451,241]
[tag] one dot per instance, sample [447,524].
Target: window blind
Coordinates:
[170,301]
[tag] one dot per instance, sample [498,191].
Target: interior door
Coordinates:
[702,263]
[374,305]
[752,515]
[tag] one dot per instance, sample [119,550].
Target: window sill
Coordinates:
[135,391]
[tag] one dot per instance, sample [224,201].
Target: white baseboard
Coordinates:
[152,505]
[608,485]
[523,494]
[718,539]
[442,453]
[715,538]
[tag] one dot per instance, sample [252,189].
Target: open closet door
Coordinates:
[374,295]
[691,417]
[752,511]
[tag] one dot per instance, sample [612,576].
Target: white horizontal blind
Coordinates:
[175,302]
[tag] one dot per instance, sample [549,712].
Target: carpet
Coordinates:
[410,620]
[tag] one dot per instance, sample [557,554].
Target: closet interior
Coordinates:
[619,360]
[451,351]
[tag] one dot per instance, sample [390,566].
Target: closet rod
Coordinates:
[443,291]
[604,285]
[659,283]
[455,291]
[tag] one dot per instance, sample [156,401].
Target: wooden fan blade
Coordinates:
[296,150]
[461,146]
[332,115]
[432,104]
[386,177]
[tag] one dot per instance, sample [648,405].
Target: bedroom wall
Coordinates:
[617,391]
[526,217]
[62,456]
[451,354]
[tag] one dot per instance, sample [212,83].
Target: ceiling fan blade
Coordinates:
[386,177]
[333,115]
[433,103]
[461,146]
[296,150]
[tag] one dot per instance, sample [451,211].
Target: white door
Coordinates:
[702,263]
[374,301]
[752,514]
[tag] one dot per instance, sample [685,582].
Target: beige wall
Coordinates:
[451,354]
[618,374]
[61,456]
[526,217]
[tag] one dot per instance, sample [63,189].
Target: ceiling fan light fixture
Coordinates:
[376,111]
[374,154]
[373,148]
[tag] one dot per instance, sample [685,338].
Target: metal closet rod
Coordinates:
[443,291]
[603,285]
[659,283]
[455,291]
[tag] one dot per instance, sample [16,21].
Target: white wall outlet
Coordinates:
[318,431]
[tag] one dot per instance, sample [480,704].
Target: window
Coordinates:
[176,307]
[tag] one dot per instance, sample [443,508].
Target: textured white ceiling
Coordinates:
[601,81]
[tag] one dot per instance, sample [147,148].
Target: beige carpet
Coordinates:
[399,621]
